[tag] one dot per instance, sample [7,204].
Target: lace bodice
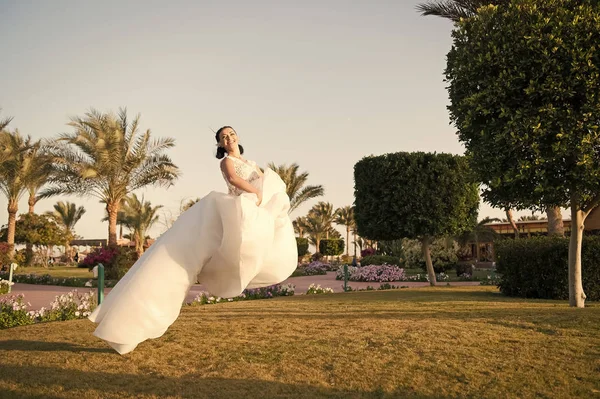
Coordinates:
[247,170]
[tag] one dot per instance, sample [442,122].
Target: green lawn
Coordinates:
[56,271]
[422,343]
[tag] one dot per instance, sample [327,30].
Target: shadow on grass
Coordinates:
[33,379]
[40,346]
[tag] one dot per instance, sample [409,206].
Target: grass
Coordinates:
[422,343]
[56,271]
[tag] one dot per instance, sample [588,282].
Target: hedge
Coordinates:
[538,267]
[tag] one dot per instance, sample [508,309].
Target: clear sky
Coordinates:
[321,83]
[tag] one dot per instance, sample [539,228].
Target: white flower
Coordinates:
[77,314]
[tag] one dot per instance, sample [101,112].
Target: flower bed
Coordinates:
[73,305]
[271,291]
[47,279]
[315,268]
[317,289]
[373,273]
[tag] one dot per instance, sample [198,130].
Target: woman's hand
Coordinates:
[259,195]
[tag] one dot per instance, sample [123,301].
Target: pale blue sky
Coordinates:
[320,83]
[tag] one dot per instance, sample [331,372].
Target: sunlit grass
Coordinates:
[424,343]
[56,271]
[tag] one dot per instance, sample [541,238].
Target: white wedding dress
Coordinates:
[225,241]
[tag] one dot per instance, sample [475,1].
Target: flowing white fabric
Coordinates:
[225,241]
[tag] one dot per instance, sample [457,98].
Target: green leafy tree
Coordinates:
[455,10]
[414,195]
[523,84]
[38,230]
[295,183]
[107,157]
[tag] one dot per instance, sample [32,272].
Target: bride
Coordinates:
[227,242]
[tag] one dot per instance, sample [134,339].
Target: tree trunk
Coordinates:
[13,207]
[112,209]
[576,294]
[477,251]
[509,216]
[347,241]
[139,247]
[121,231]
[28,246]
[427,255]
[555,222]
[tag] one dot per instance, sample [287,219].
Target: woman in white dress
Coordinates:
[227,242]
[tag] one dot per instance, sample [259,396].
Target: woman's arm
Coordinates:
[229,171]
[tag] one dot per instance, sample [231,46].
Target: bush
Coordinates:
[380,260]
[302,244]
[367,252]
[73,305]
[464,268]
[116,260]
[538,267]
[443,254]
[4,254]
[47,279]
[332,247]
[317,256]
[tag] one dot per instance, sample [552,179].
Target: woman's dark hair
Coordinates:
[221,150]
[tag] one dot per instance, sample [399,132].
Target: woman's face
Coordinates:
[228,139]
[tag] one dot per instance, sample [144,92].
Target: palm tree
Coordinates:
[41,165]
[190,204]
[16,172]
[316,228]
[324,211]
[295,185]
[480,232]
[345,217]
[106,157]
[300,224]
[140,216]
[529,218]
[67,214]
[4,122]
[455,9]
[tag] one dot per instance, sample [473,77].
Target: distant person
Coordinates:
[76,257]
[227,242]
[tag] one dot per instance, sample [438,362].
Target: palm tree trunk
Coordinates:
[555,222]
[347,240]
[13,207]
[28,246]
[477,251]
[112,209]
[511,220]
[425,242]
